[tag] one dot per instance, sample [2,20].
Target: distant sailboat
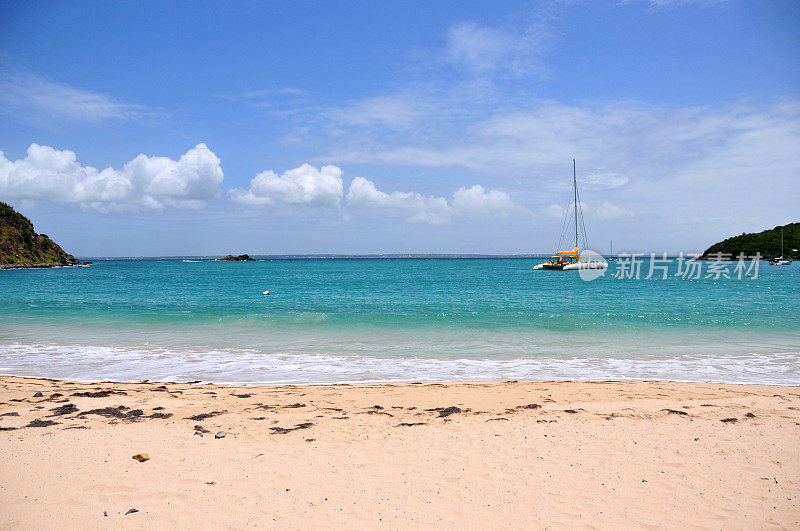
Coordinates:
[611,256]
[780,260]
[571,259]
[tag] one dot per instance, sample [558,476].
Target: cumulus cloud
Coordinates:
[431,209]
[50,175]
[303,185]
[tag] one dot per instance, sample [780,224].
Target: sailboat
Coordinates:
[611,256]
[780,260]
[571,259]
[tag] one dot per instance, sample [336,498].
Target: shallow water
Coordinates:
[340,320]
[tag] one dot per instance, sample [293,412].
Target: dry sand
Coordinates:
[516,455]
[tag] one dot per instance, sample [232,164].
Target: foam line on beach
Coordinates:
[232,366]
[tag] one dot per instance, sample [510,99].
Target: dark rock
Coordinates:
[10,414]
[220,435]
[412,424]
[37,394]
[199,433]
[131,511]
[729,419]
[160,415]
[238,258]
[199,428]
[529,406]
[570,411]
[675,411]
[295,405]
[750,415]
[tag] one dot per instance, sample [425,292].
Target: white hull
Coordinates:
[585,265]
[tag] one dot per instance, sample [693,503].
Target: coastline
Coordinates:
[45,265]
[502,454]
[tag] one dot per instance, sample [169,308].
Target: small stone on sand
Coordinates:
[220,435]
[141,457]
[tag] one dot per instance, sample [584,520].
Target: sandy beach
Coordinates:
[506,454]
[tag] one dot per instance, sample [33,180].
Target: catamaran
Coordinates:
[571,259]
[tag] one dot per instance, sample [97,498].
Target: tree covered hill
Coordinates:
[767,242]
[20,245]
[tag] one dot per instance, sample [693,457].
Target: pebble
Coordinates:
[38,394]
[219,435]
[141,457]
[131,511]
[200,433]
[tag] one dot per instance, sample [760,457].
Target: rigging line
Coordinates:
[583,225]
[564,226]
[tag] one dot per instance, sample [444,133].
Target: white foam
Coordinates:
[123,363]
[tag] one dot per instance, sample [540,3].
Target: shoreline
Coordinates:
[381,382]
[502,454]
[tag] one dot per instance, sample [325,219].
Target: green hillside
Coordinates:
[21,245]
[767,242]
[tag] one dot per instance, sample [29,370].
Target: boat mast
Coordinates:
[575,190]
[781,242]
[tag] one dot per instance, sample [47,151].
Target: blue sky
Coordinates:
[143,128]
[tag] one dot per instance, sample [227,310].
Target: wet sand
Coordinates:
[518,455]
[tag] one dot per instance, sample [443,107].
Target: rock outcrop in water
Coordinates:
[22,247]
[239,258]
[767,243]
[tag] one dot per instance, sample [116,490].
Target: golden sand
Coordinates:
[512,455]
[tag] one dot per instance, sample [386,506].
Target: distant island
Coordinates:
[766,243]
[239,258]
[22,248]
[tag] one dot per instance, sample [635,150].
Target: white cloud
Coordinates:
[609,211]
[35,98]
[554,211]
[303,185]
[476,199]
[605,180]
[49,175]
[479,48]
[431,209]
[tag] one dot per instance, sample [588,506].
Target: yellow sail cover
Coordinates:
[573,252]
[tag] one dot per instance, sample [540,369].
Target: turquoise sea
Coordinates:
[422,319]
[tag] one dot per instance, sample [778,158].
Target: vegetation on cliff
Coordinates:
[767,243]
[21,245]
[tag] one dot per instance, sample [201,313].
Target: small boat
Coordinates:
[571,260]
[780,260]
[611,256]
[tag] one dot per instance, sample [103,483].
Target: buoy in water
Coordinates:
[266,292]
